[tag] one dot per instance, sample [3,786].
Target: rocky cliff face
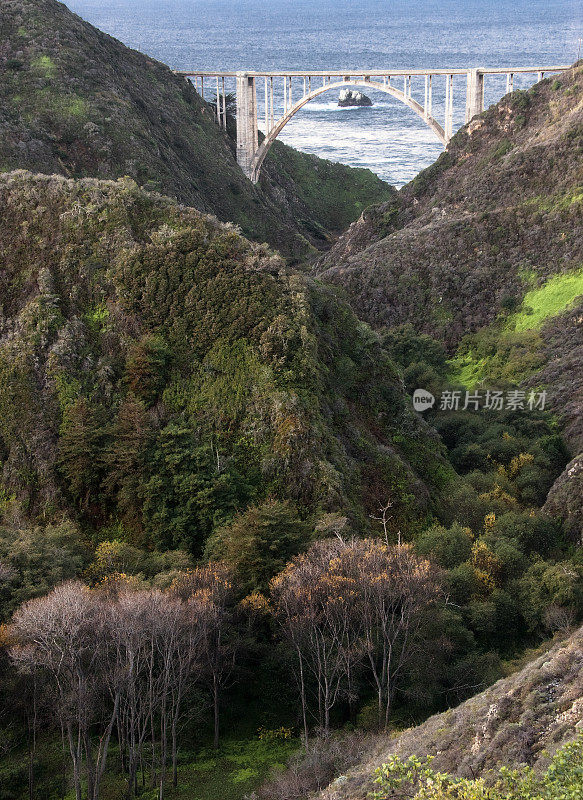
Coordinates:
[75,101]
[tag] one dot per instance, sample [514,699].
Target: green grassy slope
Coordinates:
[548,301]
[512,349]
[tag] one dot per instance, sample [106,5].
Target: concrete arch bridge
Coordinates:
[282,94]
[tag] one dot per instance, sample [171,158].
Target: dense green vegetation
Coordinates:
[504,559]
[151,463]
[224,532]
[170,393]
[185,376]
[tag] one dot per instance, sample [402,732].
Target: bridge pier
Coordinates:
[247,131]
[474,94]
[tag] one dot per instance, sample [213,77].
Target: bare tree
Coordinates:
[184,627]
[384,520]
[63,635]
[135,628]
[120,657]
[186,663]
[211,586]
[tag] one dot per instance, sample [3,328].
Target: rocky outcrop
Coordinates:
[565,499]
[524,719]
[350,97]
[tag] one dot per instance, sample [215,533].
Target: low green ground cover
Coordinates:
[510,350]
[546,301]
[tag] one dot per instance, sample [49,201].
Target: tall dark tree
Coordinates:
[80,445]
[126,461]
[259,542]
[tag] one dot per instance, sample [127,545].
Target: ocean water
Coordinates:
[388,138]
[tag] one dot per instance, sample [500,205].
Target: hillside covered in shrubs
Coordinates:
[77,102]
[189,427]
[496,215]
[160,373]
[171,393]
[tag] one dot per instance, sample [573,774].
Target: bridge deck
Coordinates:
[369,73]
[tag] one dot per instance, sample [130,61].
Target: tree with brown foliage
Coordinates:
[316,603]
[343,605]
[396,589]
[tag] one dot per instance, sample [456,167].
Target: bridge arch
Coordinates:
[280,124]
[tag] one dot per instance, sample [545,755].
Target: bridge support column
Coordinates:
[247,133]
[448,124]
[474,94]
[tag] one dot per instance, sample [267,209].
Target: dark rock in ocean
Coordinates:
[350,97]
